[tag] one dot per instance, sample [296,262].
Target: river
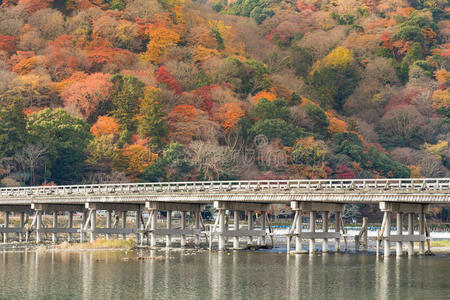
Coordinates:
[214,275]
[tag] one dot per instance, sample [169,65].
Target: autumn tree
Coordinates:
[134,159]
[105,126]
[87,93]
[163,76]
[229,115]
[161,39]
[334,77]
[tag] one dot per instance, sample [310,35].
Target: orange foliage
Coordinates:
[185,121]
[24,66]
[442,76]
[263,94]
[336,125]
[104,126]
[137,158]
[229,115]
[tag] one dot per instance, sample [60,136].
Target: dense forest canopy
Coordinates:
[155,90]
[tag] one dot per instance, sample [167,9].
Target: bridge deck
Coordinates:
[435,190]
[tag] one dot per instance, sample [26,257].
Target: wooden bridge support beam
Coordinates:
[403,208]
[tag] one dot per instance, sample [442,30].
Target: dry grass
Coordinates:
[100,244]
[442,243]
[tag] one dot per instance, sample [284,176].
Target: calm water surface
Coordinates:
[212,275]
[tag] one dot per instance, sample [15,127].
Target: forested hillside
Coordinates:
[155,90]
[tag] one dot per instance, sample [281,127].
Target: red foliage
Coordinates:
[204,93]
[6,3]
[7,43]
[271,175]
[301,6]
[34,5]
[163,75]
[87,93]
[344,172]
[98,56]
[402,98]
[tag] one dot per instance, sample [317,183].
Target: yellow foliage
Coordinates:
[202,53]
[415,171]
[435,149]
[161,38]
[441,98]
[338,58]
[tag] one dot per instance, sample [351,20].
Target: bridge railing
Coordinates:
[323,185]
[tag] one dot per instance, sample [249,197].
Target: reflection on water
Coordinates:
[213,275]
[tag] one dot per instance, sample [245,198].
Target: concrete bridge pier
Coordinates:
[55,225]
[55,229]
[325,229]
[90,224]
[250,226]
[7,227]
[108,223]
[236,228]
[124,224]
[237,232]
[197,226]
[399,238]
[183,232]
[313,235]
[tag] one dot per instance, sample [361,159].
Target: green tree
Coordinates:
[65,139]
[334,77]
[277,109]
[415,53]
[125,99]
[102,152]
[318,118]
[155,172]
[177,162]
[13,134]
[301,60]
[151,122]
[277,129]
[349,144]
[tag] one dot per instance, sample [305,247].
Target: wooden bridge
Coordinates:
[328,197]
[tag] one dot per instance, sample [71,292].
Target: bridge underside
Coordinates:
[233,200]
